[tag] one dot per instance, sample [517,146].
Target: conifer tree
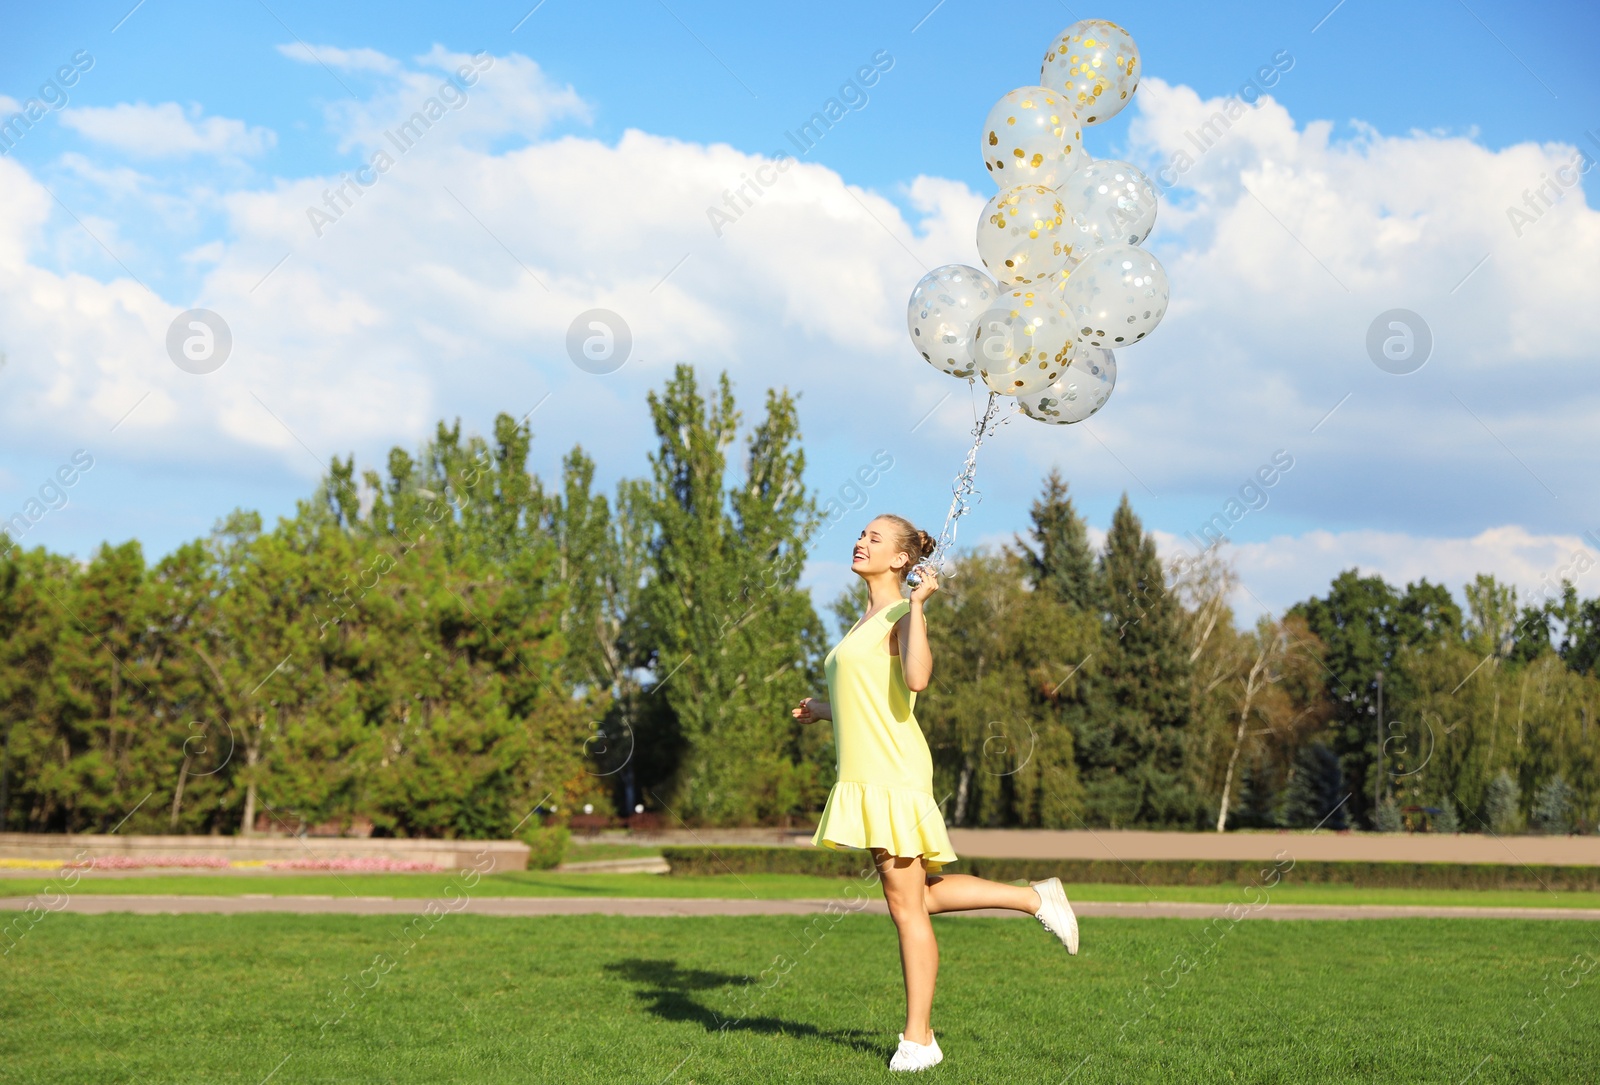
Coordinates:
[1137,758]
[1060,560]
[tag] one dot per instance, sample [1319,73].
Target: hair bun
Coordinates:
[926,542]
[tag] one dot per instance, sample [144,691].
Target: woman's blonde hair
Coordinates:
[910,538]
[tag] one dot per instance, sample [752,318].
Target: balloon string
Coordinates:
[964,493]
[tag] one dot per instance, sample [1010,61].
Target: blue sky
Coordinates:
[1419,104]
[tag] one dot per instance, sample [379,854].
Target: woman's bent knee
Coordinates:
[908,909]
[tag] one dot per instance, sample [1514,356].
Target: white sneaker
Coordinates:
[914,1056]
[1055,914]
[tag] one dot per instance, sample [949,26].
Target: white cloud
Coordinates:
[1287,569]
[350,60]
[160,131]
[118,180]
[447,287]
[480,96]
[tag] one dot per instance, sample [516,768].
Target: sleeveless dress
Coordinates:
[884,796]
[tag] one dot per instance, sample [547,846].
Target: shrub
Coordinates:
[1445,821]
[755,859]
[1315,791]
[1552,806]
[1500,804]
[548,845]
[1386,817]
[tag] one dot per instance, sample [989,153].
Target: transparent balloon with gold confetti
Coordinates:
[1023,236]
[1032,137]
[1096,65]
[1061,240]
[1025,341]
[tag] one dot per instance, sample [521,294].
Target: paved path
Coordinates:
[100,904]
[1131,845]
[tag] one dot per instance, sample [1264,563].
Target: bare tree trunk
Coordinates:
[1252,685]
[252,754]
[177,794]
[5,772]
[961,792]
[1233,759]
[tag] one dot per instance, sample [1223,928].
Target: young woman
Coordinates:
[884,799]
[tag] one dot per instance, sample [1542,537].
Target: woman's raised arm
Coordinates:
[916,657]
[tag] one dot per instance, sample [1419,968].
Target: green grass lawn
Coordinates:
[766,886]
[578,999]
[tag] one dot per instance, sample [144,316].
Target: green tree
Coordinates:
[1316,795]
[1060,560]
[733,641]
[1368,627]
[1135,758]
[1553,806]
[1502,803]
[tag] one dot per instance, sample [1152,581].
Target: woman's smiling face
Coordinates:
[875,550]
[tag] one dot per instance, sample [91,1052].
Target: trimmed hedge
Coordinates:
[745,859]
[755,859]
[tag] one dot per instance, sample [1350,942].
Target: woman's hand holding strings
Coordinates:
[811,710]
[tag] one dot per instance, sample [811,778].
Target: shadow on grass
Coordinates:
[670,993]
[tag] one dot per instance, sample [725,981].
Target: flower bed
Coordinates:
[354,865]
[131,862]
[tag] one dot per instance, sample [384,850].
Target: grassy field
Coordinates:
[766,886]
[796,999]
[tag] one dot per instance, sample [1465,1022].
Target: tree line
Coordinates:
[457,648]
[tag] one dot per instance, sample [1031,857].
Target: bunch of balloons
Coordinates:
[1067,283]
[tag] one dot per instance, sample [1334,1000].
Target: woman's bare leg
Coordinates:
[963,892]
[905,890]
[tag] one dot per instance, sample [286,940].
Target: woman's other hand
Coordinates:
[929,585]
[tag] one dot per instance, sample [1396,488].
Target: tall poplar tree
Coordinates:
[734,640]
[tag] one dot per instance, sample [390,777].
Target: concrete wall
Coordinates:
[451,854]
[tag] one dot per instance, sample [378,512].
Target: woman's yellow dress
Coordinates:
[884,797]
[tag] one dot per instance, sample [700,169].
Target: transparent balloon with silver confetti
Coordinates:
[1078,393]
[942,312]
